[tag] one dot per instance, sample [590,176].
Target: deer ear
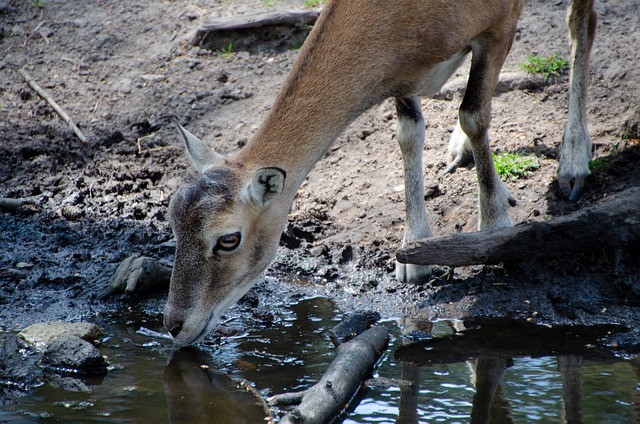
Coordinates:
[201,155]
[266,185]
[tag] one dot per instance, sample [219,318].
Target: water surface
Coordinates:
[444,380]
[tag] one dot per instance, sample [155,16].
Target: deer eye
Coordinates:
[228,242]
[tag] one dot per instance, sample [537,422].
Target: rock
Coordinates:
[71,212]
[138,275]
[5,7]
[631,127]
[71,354]
[353,325]
[74,383]
[17,376]
[41,334]
[12,366]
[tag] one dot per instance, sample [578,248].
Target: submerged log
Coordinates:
[325,400]
[352,326]
[613,223]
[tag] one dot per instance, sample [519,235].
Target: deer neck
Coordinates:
[302,125]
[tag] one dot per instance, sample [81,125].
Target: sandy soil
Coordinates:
[125,70]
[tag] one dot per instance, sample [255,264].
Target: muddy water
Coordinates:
[443,380]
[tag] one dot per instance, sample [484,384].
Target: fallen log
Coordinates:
[614,223]
[325,400]
[246,31]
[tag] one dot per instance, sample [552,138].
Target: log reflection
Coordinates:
[196,393]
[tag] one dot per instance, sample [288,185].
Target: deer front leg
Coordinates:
[411,139]
[575,152]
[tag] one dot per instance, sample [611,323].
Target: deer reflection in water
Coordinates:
[197,393]
[488,352]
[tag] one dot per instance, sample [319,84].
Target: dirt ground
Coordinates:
[125,70]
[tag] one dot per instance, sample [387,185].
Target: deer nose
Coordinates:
[173,322]
[175,330]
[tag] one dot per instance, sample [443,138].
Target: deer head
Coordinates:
[227,226]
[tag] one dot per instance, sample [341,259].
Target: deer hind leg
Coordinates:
[575,152]
[489,53]
[411,140]
[460,152]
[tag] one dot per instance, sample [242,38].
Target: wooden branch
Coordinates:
[268,411]
[243,24]
[10,205]
[42,93]
[613,223]
[259,20]
[354,360]
[508,81]
[286,399]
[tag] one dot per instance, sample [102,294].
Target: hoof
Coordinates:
[572,188]
[412,274]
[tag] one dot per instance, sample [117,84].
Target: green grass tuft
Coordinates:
[226,53]
[596,164]
[546,66]
[512,166]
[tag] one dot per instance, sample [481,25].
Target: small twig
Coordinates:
[286,399]
[10,205]
[43,35]
[68,59]
[152,149]
[38,29]
[38,26]
[42,93]
[256,394]
[141,139]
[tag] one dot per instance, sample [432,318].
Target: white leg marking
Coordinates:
[411,139]
[493,197]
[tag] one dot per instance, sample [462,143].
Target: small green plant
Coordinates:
[596,164]
[226,53]
[269,3]
[296,46]
[546,66]
[7,34]
[511,166]
[38,4]
[314,3]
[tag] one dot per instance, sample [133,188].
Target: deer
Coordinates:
[227,224]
